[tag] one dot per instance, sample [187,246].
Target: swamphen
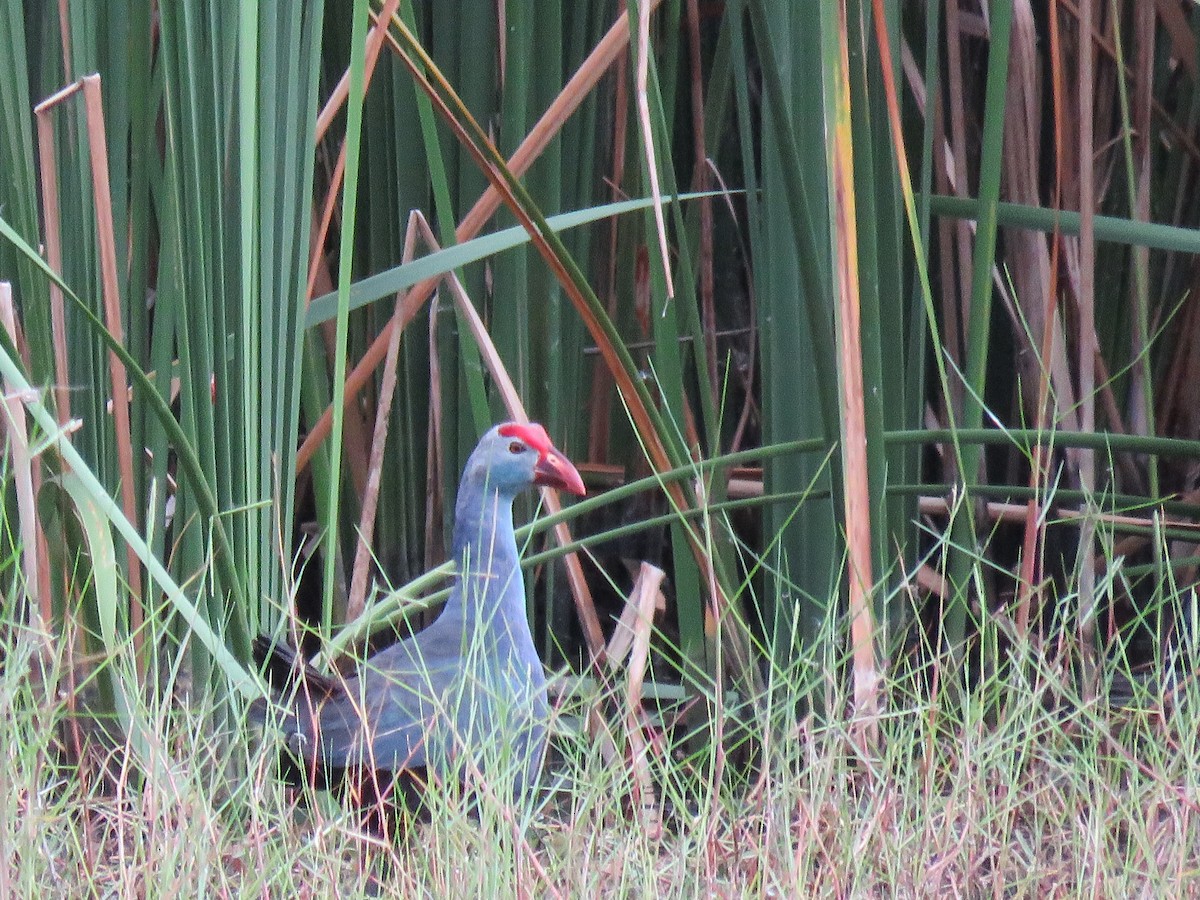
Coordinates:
[466,693]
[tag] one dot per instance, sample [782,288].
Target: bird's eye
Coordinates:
[516,447]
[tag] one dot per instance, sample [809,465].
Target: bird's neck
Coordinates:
[489,590]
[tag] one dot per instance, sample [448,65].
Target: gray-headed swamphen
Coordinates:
[465,695]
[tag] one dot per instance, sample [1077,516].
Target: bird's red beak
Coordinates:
[554,470]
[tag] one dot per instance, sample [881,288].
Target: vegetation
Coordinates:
[1056,797]
[810,291]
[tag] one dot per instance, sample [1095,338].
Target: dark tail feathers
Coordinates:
[285,672]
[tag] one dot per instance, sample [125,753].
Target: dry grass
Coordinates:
[1004,790]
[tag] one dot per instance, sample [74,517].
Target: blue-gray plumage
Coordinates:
[469,691]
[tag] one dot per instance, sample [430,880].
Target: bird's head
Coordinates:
[513,456]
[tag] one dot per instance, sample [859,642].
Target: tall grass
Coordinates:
[903,402]
[1018,785]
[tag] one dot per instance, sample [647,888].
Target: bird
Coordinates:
[464,697]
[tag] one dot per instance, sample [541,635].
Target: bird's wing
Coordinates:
[286,671]
[384,717]
[422,700]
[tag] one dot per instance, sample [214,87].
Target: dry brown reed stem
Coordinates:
[102,190]
[631,638]
[370,494]
[854,429]
[1026,253]
[643,107]
[644,601]
[317,243]
[48,172]
[1051,332]
[110,285]
[35,562]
